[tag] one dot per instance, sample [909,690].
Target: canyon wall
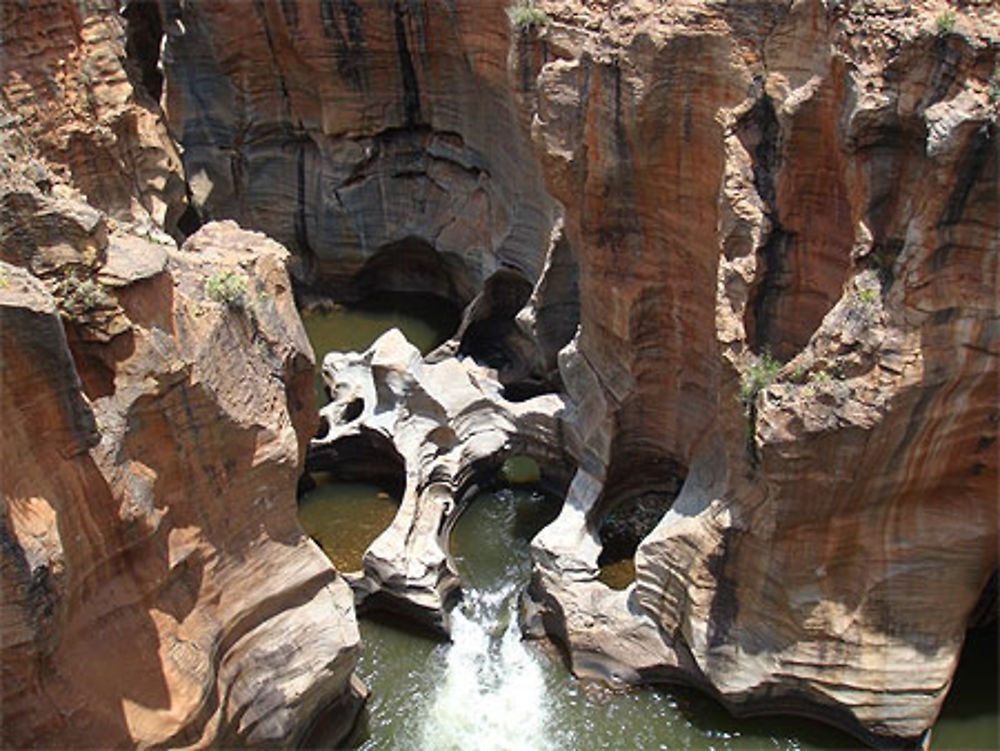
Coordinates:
[775,223]
[780,223]
[156,402]
[785,219]
[69,91]
[347,130]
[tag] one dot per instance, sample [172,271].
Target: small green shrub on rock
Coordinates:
[524,14]
[227,287]
[78,295]
[758,377]
[946,22]
[994,87]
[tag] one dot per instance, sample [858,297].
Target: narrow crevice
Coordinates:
[143,35]
[771,285]
[761,133]
[411,87]
[970,170]
[343,22]
[301,227]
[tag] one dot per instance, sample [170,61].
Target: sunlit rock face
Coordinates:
[447,429]
[817,186]
[68,88]
[381,143]
[702,186]
[156,586]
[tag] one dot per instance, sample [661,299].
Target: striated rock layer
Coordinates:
[783,218]
[776,224]
[817,185]
[157,589]
[355,131]
[156,402]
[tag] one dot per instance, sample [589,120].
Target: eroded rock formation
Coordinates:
[449,428]
[775,223]
[157,589]
[67,90]
[350,129]
[819,184]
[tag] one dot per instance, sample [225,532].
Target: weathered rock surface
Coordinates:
[157,589]
[66,88]
[353,130]
[715,182]
[821,183]
[448,429]
[381,143]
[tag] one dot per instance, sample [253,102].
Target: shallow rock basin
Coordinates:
[344,518]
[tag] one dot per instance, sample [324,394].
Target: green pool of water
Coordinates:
[970,718]
[426,321]
[618,575]
[345,517]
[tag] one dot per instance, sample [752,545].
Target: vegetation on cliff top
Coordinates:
[524,14]
[226,287]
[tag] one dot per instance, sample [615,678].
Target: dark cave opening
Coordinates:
[365,457]
[492,337]
[640,488]
[411,265]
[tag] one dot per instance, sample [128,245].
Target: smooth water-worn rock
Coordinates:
[355,130]
[381,143]
[446,429]
[156,586]
[775,223]
[816,184]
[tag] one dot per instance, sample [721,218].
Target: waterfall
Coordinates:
[492,695]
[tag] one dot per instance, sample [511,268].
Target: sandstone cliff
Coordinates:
[68,88]
[818,184]
[813,182]
[157,588]
[156,404]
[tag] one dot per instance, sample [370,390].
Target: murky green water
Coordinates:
[970,718]
[425,320]
[490,690]
[345,518]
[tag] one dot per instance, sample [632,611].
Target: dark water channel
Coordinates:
[489,690]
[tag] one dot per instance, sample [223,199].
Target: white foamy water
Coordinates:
[492,695]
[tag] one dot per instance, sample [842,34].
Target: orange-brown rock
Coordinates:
[66,87]
[818,184]
[703,186]
[157,589]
